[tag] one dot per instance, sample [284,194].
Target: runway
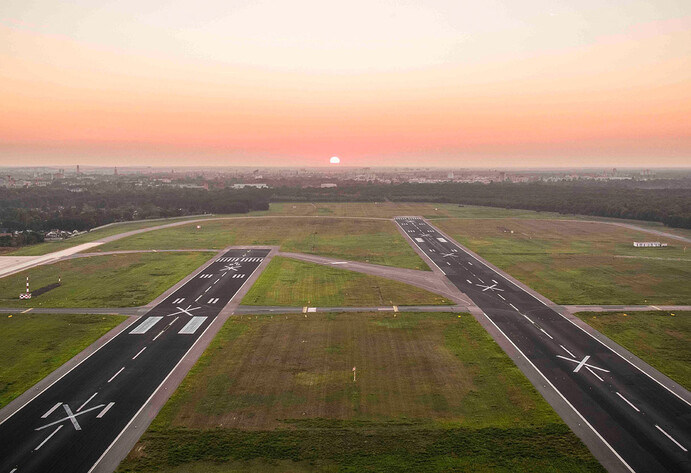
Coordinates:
[645,425]
[70,425]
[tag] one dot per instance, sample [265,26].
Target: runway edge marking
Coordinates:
[95,465]
[562,315]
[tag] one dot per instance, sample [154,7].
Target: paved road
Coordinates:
[73,422]
[645,425]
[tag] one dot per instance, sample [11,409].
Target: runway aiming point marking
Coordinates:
[192,325]
[145,326]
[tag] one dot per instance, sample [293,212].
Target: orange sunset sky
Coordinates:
[393,83]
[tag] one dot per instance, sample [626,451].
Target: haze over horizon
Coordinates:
[413,83]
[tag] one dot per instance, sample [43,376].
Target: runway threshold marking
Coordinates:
[671,438]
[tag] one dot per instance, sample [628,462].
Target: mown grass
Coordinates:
[374,241]
[659,338]
[125,280]
[49,247]
[433,393]
[580,263]
[34,345]
[288,282]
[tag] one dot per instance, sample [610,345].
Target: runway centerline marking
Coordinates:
[86,402]
[138,353]
[671,438]
[47,438]
[628,402]
[119,371]
[567,351]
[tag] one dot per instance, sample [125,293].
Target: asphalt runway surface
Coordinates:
[72,423]
[646,425]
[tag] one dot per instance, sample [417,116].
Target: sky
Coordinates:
[378,83]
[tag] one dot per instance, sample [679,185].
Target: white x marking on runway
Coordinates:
[453,255]
[184,311]
[231,267]
[581,363]
[71,417]
[489,288]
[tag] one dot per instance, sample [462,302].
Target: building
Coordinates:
[648,244]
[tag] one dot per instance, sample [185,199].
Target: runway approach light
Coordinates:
[335,160]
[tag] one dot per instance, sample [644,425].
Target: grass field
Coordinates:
[49,247]
[395,209]
[580,263]
[102,281]
[34,345]
[659,338]
[433,393]
[289,282]
[374,241]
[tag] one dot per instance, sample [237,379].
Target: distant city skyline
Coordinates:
[419,83]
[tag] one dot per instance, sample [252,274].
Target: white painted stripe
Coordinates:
[495,282]
[527,318]
[139,353]
[469,281]
[655,307]
[51,410]
[105,409]
[312,309]
[581,363]
[27,310]
[86,402]
[217,280]
[207,289]
[628,402]
[567,351]
[543,331]
[113,377]
[502,297]
[192,325]
[197,299]
[49,437]
[176,318]
[515,308]
[419,240]
[483,282]
[671,438]
[159,334]
[562,396]
[594,374]
[145,326]
[443,240]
